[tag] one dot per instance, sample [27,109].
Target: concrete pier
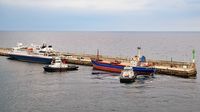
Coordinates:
[173,68]
[4,51]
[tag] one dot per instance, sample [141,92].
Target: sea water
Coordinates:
[25,87]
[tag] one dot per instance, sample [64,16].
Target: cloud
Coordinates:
[98,5]
[105,5]
[102,14]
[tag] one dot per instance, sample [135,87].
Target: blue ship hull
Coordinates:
[34,59]
[144,69]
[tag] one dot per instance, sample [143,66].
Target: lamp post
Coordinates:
[193,56]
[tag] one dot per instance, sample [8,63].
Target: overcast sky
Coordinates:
[99,15]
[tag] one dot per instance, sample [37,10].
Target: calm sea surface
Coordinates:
[24,87]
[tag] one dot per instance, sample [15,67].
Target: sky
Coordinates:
[99,15]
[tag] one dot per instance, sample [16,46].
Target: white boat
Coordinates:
[127,75]
[33,53]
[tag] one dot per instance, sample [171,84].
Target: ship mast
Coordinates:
[97,54]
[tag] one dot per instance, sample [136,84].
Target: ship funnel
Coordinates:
[139,52]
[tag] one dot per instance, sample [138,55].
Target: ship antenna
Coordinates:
[97,54]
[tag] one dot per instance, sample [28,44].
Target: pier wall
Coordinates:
[175,68]
[4,51]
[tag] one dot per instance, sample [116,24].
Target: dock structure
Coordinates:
[4,51]
[173,68]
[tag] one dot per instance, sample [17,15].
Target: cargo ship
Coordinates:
[139,65]
[118,67]
[34,53]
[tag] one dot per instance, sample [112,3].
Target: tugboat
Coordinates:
[58,66]
[127,75]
